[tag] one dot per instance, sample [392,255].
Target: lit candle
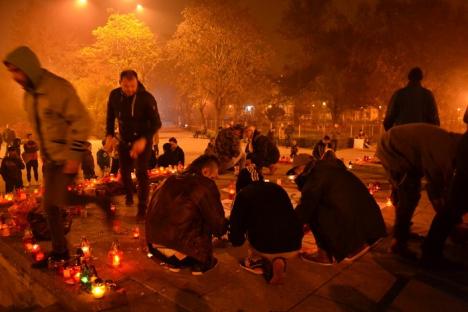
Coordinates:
[115,255]
[116,260]
[98,290]
[67,272]
[389,202]
[136,232]
[35,248]
[39,256]
[85,247]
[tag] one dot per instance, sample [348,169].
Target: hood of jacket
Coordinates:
[27,61]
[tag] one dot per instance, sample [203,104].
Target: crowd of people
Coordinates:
[185,213]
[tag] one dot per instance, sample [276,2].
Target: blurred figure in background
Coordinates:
[30,157]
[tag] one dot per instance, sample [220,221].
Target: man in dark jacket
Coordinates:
[177,154]
[412,104]
[263,214]
[337,206]
[322,147]
[164,160]
[408,153]
[11,170]
[260,150]
[183,215]
[30,158]
[137,114]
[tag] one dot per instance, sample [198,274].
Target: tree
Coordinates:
[219,51]
[124,42]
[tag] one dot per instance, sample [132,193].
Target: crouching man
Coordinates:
[184,214]
[337,206]
[264,215]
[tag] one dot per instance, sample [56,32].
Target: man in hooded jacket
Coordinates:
[61,123]
[408,153]
[137,114]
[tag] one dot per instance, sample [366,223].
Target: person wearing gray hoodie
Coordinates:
[61,123]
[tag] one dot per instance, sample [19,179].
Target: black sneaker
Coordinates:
[42,264]
[200,269]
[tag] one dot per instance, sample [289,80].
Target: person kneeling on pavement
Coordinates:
[263,214]
[342,215]
[184,213]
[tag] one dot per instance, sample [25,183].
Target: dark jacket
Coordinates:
[164,160]
[30,151]
[137,119]
[319,150]
[339,209]
[177,156]
[103,159]
[421,149]
[183,215]
[412,104]
[11,170]
[265,152]
[227,145]
[87,165]
[263,212]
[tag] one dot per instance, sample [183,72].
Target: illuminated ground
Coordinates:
[378,281]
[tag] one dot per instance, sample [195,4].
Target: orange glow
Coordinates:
[39,256]
[98,291]
[139,8]
[116,260]
[81,3]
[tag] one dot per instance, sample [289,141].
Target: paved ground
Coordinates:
[376,282]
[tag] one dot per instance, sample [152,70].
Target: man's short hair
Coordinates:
[415,74]
[326,138]
[128,74]
[173,140]
[201,162]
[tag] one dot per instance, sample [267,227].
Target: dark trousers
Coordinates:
[115,166]
[55,197]
[127,164]
[406,193]
[457,204]
[34,165]
[10,186]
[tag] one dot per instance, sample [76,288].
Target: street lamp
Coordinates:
[139,8]
[81,3]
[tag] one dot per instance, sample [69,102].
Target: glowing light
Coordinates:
[81,3]
[139,8]
[324,103]
[136,232]
[98,290]
[39,256]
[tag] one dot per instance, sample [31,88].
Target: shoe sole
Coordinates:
[358,255]
[256,271]
[197,273]
[315,262]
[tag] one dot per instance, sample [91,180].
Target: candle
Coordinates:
[136,232]
[9,197]
[85,247]
[389,202]
[291,178]
[115,255]
[67,272]
[98,290]
[35,248]
[39,256]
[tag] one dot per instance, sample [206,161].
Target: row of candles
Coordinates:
[80,271]
[19,195]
